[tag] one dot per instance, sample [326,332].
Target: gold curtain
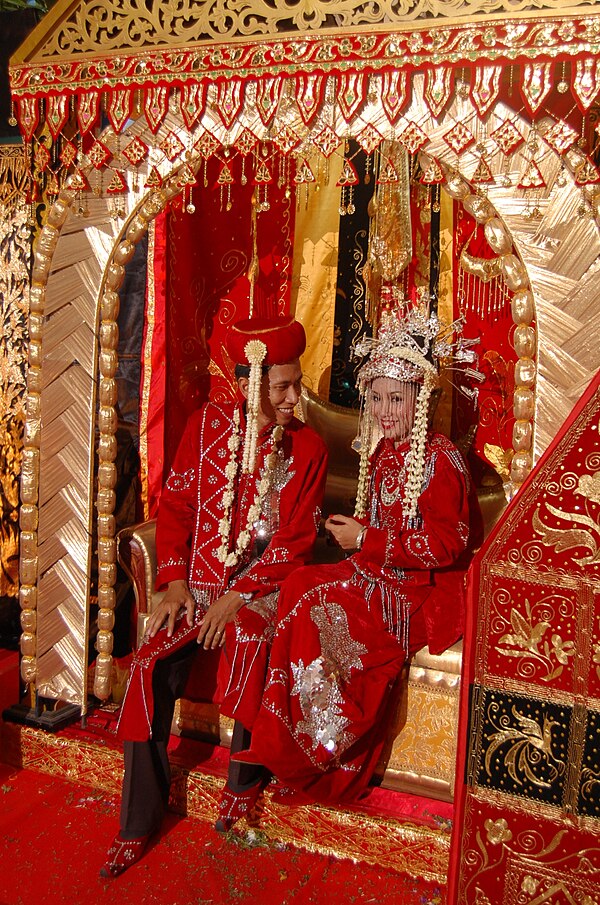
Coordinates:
[314,275]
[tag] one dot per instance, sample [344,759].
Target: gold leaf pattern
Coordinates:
[529,744]
[562,539]
[526,637]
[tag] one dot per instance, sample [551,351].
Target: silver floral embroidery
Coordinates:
[418,546]
[282,473]
[318,684]
[280,476]
[274,555]
[391,488]
[178,482]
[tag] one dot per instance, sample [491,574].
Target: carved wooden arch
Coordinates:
[71,388]
[76,276]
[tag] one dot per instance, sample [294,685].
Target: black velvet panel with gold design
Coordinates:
[522,746]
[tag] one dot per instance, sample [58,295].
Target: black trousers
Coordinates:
[147,779]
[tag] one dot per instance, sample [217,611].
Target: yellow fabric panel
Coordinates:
[314,273]
[443,415]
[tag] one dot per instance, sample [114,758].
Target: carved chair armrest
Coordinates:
[136,552]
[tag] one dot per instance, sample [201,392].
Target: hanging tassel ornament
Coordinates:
[262,178]
[255,352]
[348,179]
[225,182]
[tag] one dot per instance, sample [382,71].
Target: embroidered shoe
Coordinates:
[235,805]
[122,854]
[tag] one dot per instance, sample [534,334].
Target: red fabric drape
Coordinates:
[201,286]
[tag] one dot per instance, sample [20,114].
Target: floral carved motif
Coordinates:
[528,640]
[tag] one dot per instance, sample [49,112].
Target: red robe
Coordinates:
[187,540]
[344,630]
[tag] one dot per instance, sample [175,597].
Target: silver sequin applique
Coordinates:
[319,685]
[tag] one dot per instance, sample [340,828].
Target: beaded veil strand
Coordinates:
[412,345]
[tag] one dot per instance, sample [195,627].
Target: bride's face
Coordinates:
[393,406]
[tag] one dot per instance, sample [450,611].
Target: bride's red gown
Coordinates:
[344,630]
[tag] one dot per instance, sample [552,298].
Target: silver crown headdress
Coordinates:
[412,345]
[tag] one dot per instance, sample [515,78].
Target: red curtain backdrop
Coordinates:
[201,286]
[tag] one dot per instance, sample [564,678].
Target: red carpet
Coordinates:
[53,836]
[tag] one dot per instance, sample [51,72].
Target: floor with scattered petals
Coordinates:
[53,836]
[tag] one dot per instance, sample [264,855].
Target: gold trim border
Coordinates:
[373,50]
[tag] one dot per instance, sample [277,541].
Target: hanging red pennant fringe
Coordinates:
[482,172]
[304,174]
[393,94]
[155,108]
[438,88]
[348,176]
[532,177]
[263,174]
[459,137]
[68,154]
[350,93]
[433,174]
[154,180]
[118,108]
[536,84]
[369,139]
[286,139]
[587,81]
[486,87]
[77,182]
[225,176]
[587,174]
[88,108]
[245,141]
[57,111]
[326,141]
[229,101]
[191,103]
[309,94]
[98,155]
[207,145]
[171,145]
[42,157]
[560,136]
[53,188]
[507,137]
[413,138]
[28,114]
[186,176]
[268,93]
[135,151]
[388,175]
[117,184]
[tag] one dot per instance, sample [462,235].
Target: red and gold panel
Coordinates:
[528,817]
[514,856]
[531,632]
